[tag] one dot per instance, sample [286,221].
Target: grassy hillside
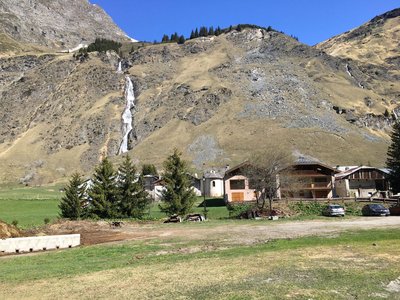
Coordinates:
[355,264]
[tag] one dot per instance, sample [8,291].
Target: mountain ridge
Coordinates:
[216,98]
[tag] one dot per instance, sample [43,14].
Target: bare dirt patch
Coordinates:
[234,233]
[8,231]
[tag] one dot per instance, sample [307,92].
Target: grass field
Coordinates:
[31,205]
[353,265]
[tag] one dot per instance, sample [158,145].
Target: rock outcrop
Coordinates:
[57,23]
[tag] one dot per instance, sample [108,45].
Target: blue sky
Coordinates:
[312,21]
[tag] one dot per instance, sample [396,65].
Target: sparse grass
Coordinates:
[18,192]
[342,267]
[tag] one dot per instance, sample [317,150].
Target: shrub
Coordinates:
[14,223]
[236,210]
[46,221]
[307,208]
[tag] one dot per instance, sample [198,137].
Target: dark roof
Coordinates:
[314,163]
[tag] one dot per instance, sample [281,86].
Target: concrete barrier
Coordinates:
[39,243]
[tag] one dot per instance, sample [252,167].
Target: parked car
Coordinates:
[375,210]
[333,210]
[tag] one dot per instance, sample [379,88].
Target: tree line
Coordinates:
[205,31]
[120,193]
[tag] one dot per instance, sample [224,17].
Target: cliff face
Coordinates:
[57,23]
[218,99]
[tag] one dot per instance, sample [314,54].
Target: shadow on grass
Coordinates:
[213,202]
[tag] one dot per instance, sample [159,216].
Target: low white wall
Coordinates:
[39,243]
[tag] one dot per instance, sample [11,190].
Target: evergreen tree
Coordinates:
[181,40]
[211,31]
[149,169]
[393,159]
[72,202]
[196,33]
[133,199]
[165,39]
[175,37]
[203,31]
[178,197]
[103,194]
[218,31]
[192,35]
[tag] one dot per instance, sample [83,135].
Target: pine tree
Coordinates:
[393,159]
[211,31]
[72,203]
[174,37]
[149,169]
[178,196]
[133,199]
[203,31]
[103,195]
[218,31]
[191,35]
[181,40]
[196,33]
[165,39]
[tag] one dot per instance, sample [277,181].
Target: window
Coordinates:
[321,179]
[213,184]
[237,184]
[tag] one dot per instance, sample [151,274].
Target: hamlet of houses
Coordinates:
[319,181]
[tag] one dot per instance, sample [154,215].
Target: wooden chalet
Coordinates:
[310,180]
[362,182]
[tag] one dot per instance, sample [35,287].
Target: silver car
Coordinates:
[333,210]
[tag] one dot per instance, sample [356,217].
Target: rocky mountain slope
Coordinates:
[377,42]
[218,99]
[56,24]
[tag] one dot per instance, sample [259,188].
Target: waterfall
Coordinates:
[119,70]
[348,70]
[127,115]
[351,75]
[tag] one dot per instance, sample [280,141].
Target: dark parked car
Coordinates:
[375,210]
[333,210]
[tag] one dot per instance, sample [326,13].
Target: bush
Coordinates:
[14,223]
[307,208]
[46,221]
[236,210]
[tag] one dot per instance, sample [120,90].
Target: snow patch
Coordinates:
[77,48]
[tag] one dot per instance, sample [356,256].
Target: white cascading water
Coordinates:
[119,70]
[127,115]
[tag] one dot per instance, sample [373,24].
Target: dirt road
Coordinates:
[230,232]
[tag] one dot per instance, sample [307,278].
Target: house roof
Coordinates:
[348,172]
[231,170]
[213,175]
[314,163]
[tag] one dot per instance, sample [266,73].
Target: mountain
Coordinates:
[376,42]
[218,99]
[56,24]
